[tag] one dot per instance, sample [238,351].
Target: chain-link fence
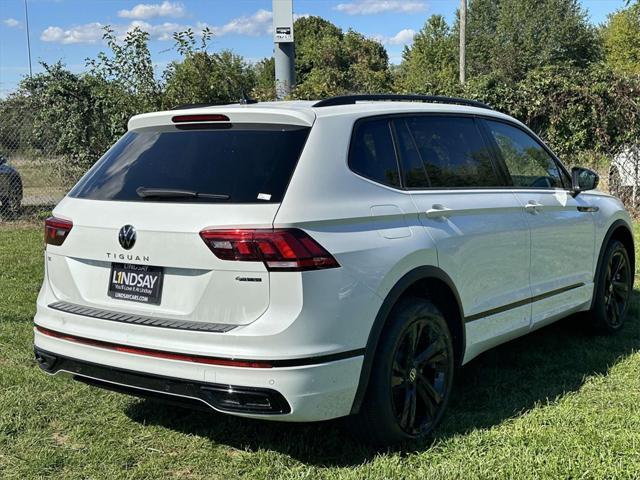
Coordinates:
[624,177]
[33,178]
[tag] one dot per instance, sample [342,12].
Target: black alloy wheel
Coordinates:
[411,376]
[617,288]
[419,376]
[613,289]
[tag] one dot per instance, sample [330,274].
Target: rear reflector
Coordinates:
[281,250]
[56,230]
[215,117]
[226,362]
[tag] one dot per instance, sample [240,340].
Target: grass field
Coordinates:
[558,403]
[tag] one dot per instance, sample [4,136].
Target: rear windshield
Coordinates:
[239,163]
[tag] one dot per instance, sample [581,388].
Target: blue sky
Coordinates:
[70,30]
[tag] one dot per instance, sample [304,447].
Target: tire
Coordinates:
[11,206]
[613,289]
[400,390]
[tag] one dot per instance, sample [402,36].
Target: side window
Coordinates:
[413,169]
[372,154]
[452,151]
[527,161]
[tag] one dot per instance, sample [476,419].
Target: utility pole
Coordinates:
[463,41]
[284,53]
[26,21]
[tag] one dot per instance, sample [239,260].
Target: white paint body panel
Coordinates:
[495,252]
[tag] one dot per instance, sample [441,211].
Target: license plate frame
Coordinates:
[135,283]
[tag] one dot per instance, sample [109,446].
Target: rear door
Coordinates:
[166,184]
[562,227]
[479,228]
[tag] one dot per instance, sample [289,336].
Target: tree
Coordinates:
[129,67]
[621,37]
[80,116]
[204,77]
[508,38]
[429,65]
[265,74]
[330,62]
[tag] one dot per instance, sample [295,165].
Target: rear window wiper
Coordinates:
[152,192]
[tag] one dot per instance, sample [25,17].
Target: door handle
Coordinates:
[438,211]
[533,207]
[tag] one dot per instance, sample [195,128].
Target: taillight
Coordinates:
[281,250]
[210,117]
[56,230]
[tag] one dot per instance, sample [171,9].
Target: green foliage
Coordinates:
[575,110]
[265,75]
[430,65]
[330,62]
[129,69]
[509,38]
[205,77]
[621,38]
[78,115]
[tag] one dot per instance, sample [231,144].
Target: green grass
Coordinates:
[557,403]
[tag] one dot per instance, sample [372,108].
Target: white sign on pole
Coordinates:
[283,21]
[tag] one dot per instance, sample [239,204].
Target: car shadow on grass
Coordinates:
[502,383]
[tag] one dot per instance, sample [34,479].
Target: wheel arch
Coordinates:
[430,282]
[619,230]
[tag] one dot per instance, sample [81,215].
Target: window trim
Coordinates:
[500,159]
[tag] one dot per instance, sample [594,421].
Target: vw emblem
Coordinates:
[127,237]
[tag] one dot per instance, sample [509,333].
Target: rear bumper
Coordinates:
[305,392]
[225,398]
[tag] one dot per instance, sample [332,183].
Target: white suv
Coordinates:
[304,261]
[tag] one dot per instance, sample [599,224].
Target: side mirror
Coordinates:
[583,179]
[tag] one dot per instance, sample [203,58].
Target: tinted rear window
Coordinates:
[251,163]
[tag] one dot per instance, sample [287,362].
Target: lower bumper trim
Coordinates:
[224,398]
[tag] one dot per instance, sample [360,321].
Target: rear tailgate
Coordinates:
[174,274]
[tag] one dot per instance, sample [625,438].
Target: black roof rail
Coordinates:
[351,99]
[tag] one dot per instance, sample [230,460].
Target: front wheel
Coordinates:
[613,289]
[411,378]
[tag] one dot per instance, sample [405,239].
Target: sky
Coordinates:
[71,30]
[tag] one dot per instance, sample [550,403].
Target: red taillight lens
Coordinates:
[56,230]
[212,117]
[283,250]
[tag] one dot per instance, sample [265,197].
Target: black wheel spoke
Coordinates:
[621,289]
[428,355]
[406,407]
[427,400]
[431,391]
[619,267]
